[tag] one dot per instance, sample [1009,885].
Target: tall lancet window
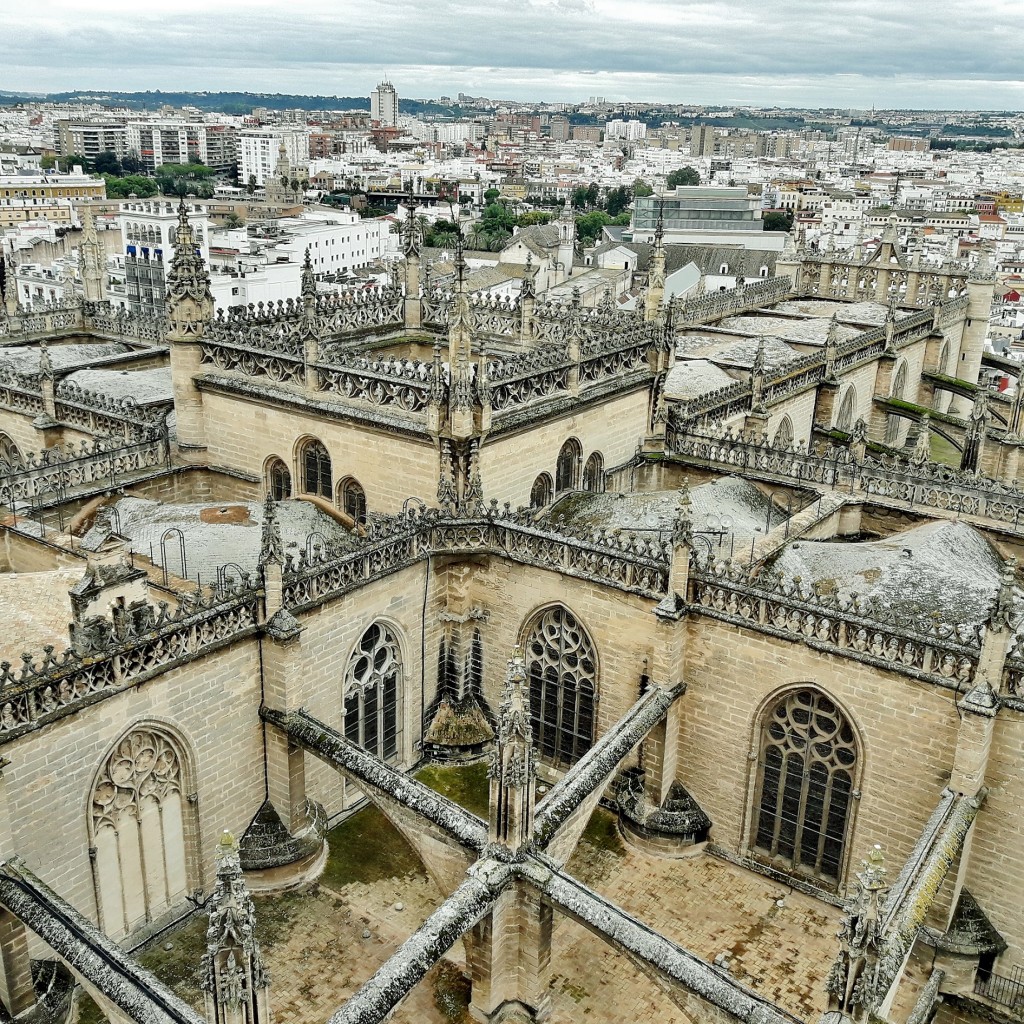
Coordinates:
[805,784]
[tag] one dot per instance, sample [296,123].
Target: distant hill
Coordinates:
[238,103]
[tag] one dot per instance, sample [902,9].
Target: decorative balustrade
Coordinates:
[100,413]
[273,355]
[796,376]
[715,305]
[619,559]
[73,315]
[405,384]
[125,651]
[929,485]
[849,626]
[536,373]
[721,404]
[22,392]
[56,472]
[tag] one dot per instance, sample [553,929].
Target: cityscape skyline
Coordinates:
[796,53]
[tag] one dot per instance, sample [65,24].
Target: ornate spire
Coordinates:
[271,545]
[45,363]
[512,770]
[682,524]
[308,279]
[93,260]
[852,983]
[233,977]
[922,452]
[983,270]
[757,374]
[1001,616]
[10,285]
[528,289]
[189,300]
[410,231]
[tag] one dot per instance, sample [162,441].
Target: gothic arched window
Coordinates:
[9,451]
[567,468]
[892,423]
[784,434]
[279,480]
[352,499]
[847,410]
[806,770]
[593,473]
[316,470]
[540,493]
[373,684]
[562,668]
[137,823]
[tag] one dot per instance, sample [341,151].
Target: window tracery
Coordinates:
[808,755]
[562,669]
[373,683]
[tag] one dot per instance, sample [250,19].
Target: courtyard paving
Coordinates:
[322,943]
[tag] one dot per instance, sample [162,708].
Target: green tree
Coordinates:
[617,200]
[233,221]
[76,159]
[130,184]
[250,185]
[589,226]
[107,163]
[131,164]
[48,162]
[683,176]
[641,188]
[491,196]
[525,220]
[778,220]
[193,178]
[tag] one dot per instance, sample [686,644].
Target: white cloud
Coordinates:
[843,52]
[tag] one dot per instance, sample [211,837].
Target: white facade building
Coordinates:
[258,152]
[384,104]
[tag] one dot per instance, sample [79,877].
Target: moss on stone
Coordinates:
[178,967]
[366,847]
[451,992]
[467,784]
[88,1011]
[603,834]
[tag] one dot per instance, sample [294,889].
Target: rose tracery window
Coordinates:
[562,669]
[137,818]
[373,683]
[806,770]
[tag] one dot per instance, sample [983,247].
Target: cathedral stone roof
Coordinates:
[25,358]
[216,534]
[691,378]
[943,568]
[147,387]
[726,503]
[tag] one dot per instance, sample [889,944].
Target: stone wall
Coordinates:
[510,463]
[211,706]
[994,877]
[389,466]
[907,732]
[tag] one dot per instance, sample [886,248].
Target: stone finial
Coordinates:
[234,979]
[528,289]
[852,982]
[983,271]
[512,769]
[1001,615]
[308,277]
[45,363]
[189,300]
[10,284]
[682,523]
[922,452]
[271,545]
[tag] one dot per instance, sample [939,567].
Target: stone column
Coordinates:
[508,954]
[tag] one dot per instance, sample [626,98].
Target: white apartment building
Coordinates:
[258,152]
[384,104]
[339,242]
[148,228]
[631,131]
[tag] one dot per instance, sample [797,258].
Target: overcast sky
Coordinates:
[860,53]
